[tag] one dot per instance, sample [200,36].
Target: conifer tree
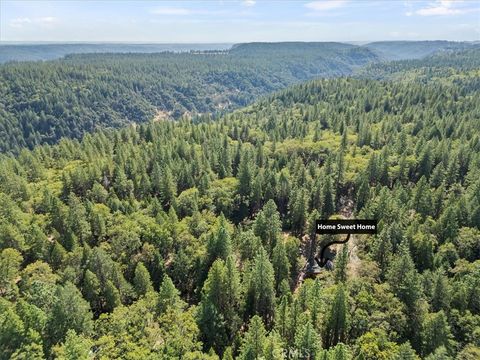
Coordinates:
[168,295]
[307,341]
[280,263]
[69,311]
[141,281]
[254,340]
[436,333]
[268,225]
[261,288]
[336,328]
[112,296]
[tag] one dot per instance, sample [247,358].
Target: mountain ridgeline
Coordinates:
[185,239]
[42,102]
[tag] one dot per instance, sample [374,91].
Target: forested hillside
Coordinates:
[184,240]
[432,68]
[43,102]
[402,50]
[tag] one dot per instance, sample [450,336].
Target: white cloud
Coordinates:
[46,20]
[24,21]
[326,5]
[171,11]
[248,2]
[19,22]
[440,8]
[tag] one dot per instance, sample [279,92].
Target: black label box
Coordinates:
[346,226]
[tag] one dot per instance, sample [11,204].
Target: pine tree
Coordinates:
[167,187]
[254,340]
[112,296]
[10,261]
[141,281]
[91,289]
[77,219]
[336,329]
[268,225]
[448,225]
[436,333]
[404,278]
[405,352]
[421,201]
[282,317]
[245,176]
[69,311]
[261,287]
[168,295]
[328,198]
[341,163]
[280,263]
[233,294]
[307,341]
[405,283]
[363,193]
[211,319]
[75,347]
[219,244]
[298,210]
[273,347]
[441,293]
[382,250]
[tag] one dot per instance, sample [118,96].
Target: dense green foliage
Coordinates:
[180,240]
[43,102]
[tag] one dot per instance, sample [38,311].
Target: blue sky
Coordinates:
[238,21]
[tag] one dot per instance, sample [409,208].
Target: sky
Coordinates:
[230,21]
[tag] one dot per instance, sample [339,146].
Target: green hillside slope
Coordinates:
[184,240]
[43,102]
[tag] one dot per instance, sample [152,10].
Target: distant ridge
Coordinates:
[43,52]
[403,50]
[386,50]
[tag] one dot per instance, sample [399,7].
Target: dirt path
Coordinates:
[354,262]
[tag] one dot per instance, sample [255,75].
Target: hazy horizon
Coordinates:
[85,42]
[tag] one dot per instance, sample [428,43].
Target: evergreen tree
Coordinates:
[168,295]
[261,288]
[112,296]
[328,199]
[75,347]
[254,340]
[91,289]
[141,281]
[280,263]
[268,226]
[336,329]
[307,341]
[10,260]
[69,311]
[436,333]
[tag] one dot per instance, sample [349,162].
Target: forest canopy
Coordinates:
[185,239]
[42,102]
